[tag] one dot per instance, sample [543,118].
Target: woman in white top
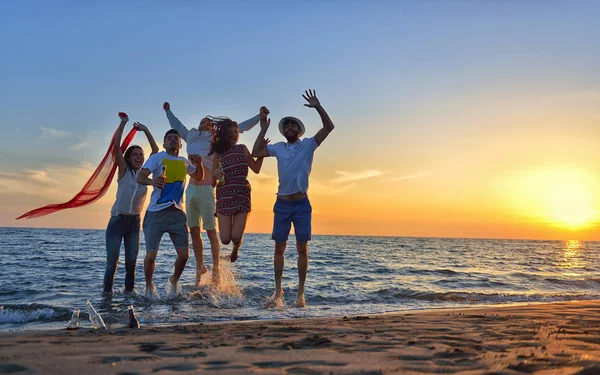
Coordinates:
[124,221]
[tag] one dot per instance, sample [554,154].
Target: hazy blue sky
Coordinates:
[406,82]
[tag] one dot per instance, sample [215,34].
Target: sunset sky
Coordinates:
[453,119]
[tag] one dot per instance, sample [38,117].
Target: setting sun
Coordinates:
[570,205]
[561,196]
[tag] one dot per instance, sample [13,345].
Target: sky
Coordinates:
[453,118]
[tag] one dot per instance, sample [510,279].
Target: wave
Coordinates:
[591,283]
[434,272]
[394,294]
[31,313]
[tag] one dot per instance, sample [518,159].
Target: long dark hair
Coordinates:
[127,156]
[220,143]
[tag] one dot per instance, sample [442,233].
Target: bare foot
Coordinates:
[234,255]
[300,301]
[276,301]
[199,272]
[173,287]
[150,292]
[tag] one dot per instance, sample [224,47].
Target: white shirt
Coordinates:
[198,142]
[294,162]
[130,195]
[177,168]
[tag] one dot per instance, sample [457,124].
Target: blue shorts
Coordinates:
[287,212]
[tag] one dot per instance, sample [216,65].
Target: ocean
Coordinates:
[46,273]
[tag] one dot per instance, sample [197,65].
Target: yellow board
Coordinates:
[176,170]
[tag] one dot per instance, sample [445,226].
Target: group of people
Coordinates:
[215,160]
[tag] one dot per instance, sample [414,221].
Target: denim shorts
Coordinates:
[287,212]
[170,220]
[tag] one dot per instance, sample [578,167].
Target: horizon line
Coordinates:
[352,235]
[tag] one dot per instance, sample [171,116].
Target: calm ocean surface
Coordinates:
[45,273]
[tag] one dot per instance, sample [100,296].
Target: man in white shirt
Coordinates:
[165,211]
[294,162]
[200,195]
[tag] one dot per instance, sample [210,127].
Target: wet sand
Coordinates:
[553,338]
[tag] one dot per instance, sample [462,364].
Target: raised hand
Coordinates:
[123,116]
[195,159]
[139,126]
[166,106]
[264,111]
[311,98]
[264,120]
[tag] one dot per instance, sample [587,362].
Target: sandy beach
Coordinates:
[554,338]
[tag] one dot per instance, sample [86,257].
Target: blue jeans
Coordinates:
[121,227]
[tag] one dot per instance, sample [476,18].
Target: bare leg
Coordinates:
[215,249]
[198,253]
[149,265]
[278,262]
[302,248]
[225,223]
[182,257]
[237,233]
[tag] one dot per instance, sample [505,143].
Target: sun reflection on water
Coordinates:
[571,257]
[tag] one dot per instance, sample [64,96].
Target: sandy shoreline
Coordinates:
[554,338]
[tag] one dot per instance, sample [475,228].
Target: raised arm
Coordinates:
[117,152]
[250,123]
[175,123]
[141,127]
[313,102]
[260,147]
[196,160]
[255,165]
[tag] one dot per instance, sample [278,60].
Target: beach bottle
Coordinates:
[133,322]
[95,318]
[222,179]
[74,322]
[164,172]
[164,175]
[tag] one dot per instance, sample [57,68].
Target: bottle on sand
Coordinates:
[133,322]
[95,318]
[74,322]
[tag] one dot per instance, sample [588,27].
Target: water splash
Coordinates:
[226,294]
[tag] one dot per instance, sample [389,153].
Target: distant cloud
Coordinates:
[39,178]
[410,176]
[51,132]
[65,181]
[79,146]
[356,176]
[320,189]
[262,176]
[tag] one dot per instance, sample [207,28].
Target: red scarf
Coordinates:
[94,188]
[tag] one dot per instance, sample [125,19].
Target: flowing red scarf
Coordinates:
[94,188]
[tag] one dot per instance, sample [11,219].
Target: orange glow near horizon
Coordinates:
[560,197]
[538,202]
